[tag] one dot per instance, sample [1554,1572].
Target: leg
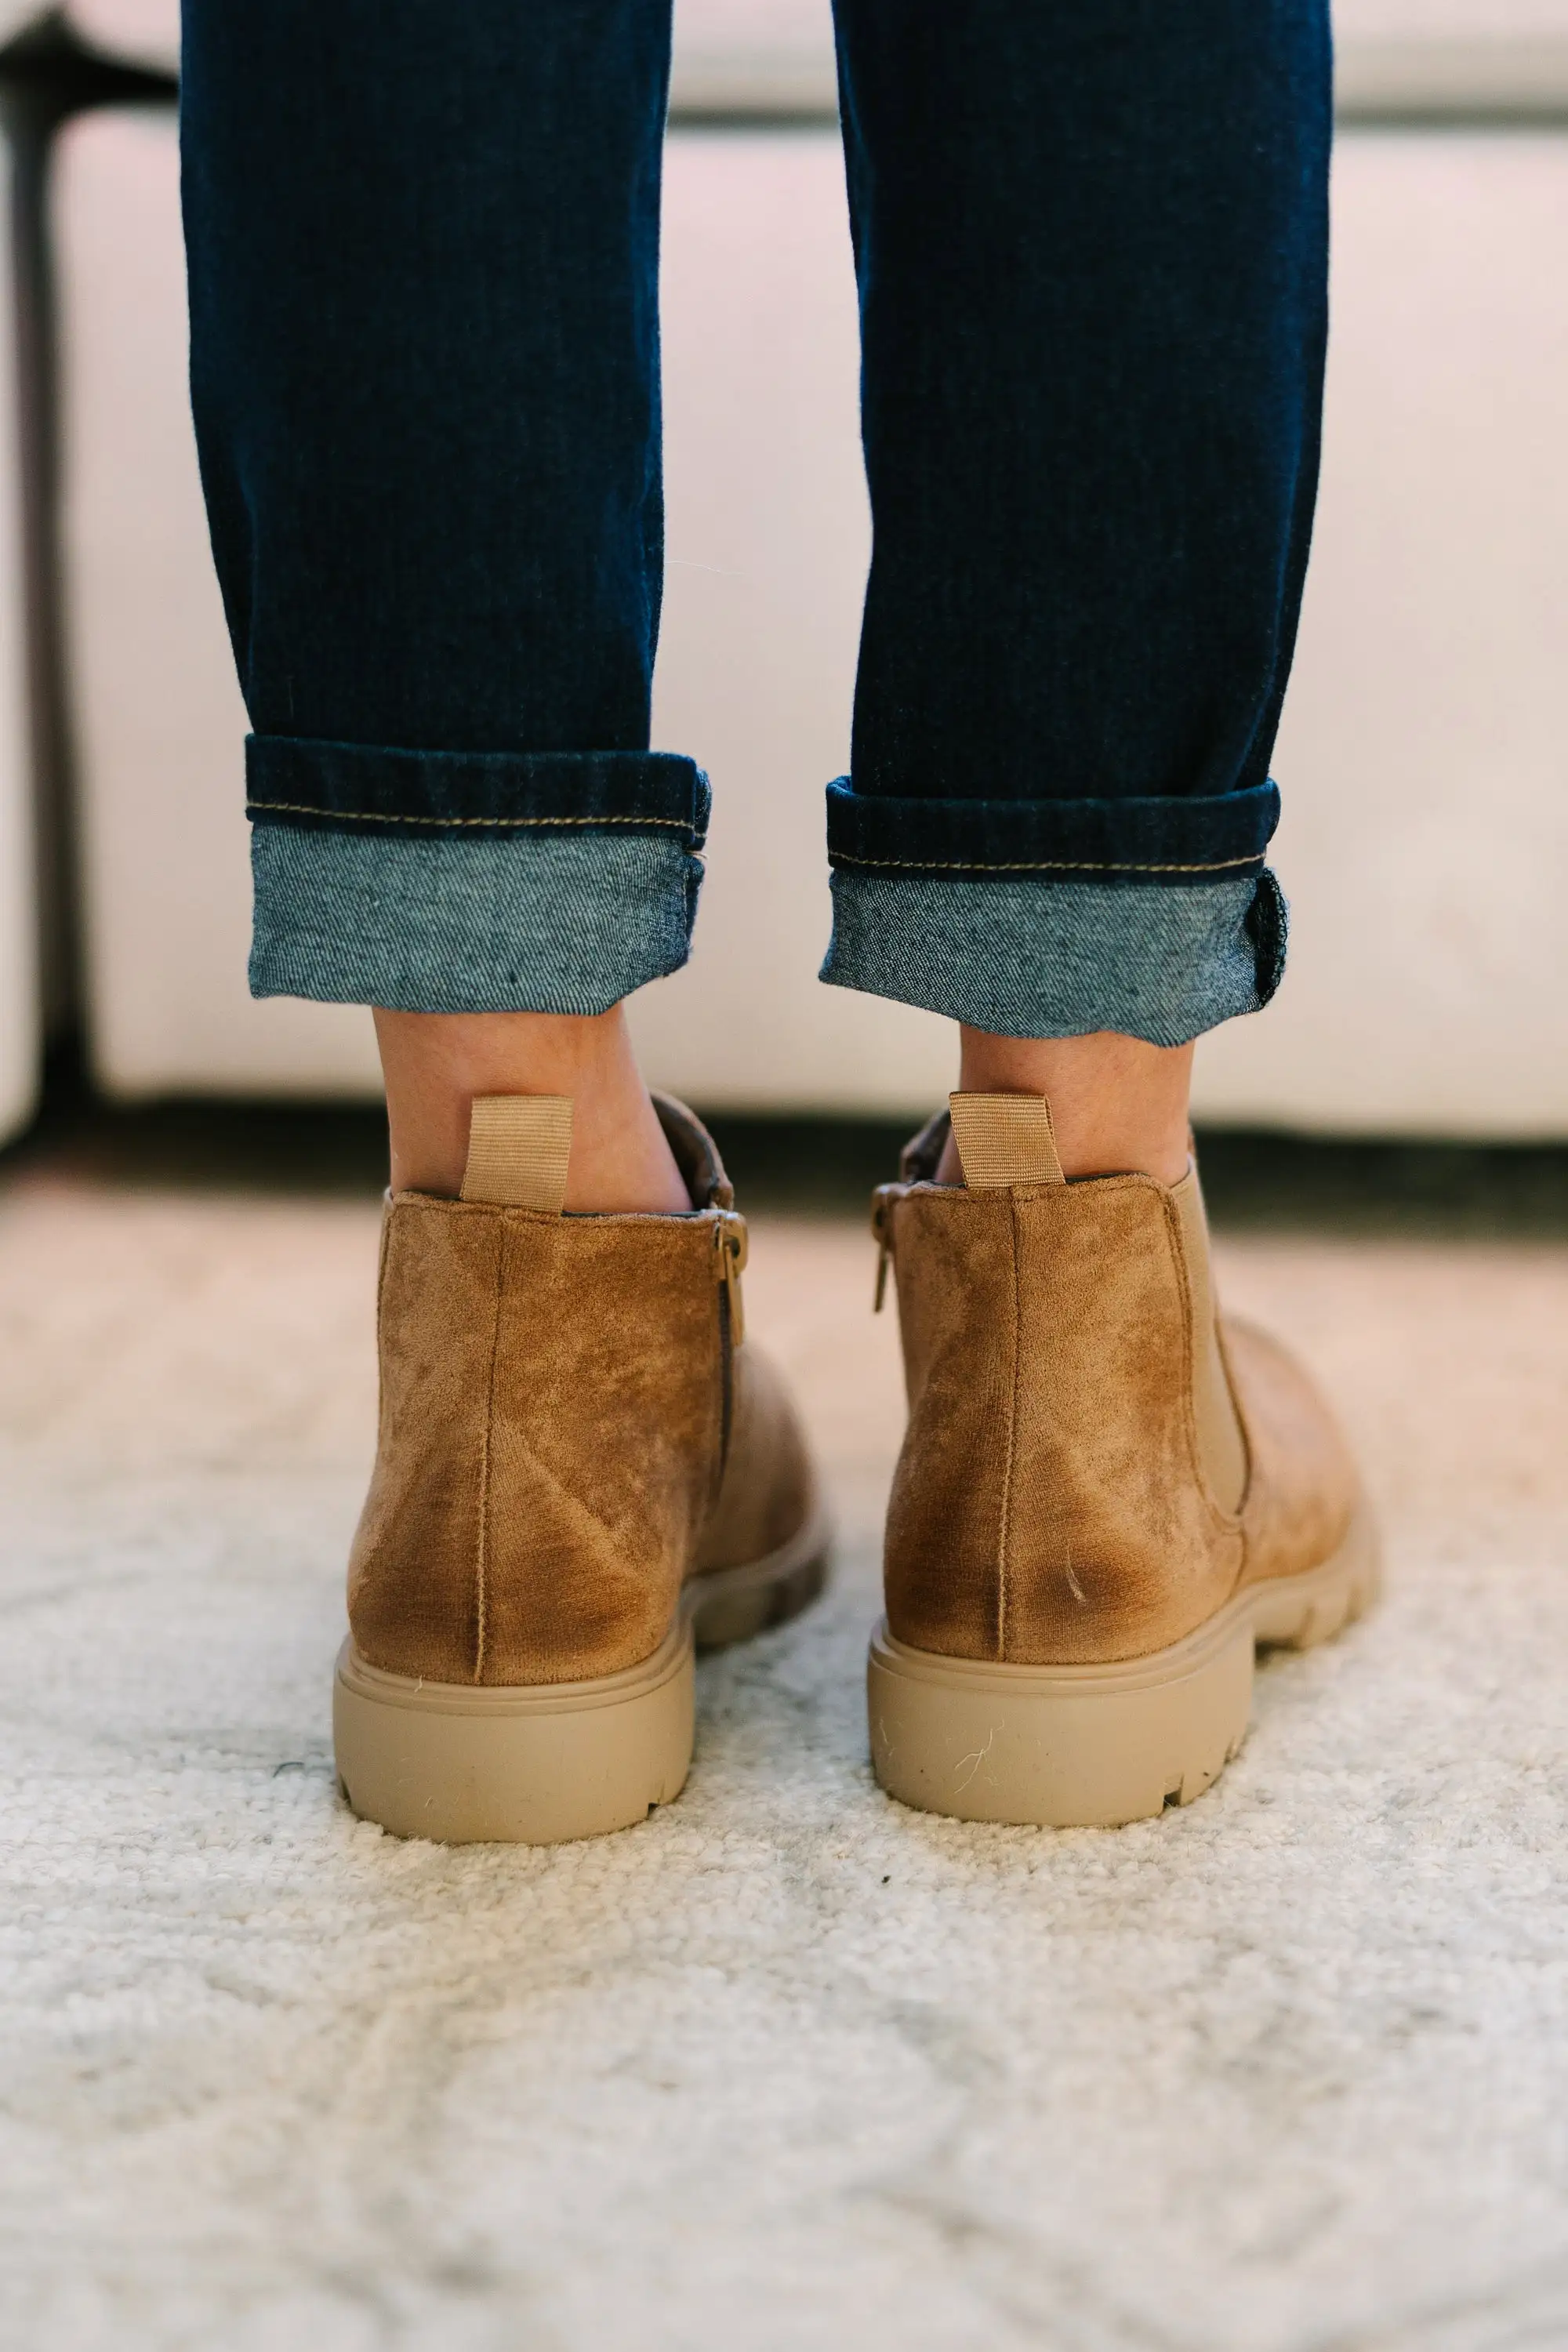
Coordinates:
[1090,244]
[425,376]
[1091,248]
[435,1064]
[1116,1101]
[423,245]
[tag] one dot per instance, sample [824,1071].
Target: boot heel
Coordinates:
[1059,1747]
[531,1766]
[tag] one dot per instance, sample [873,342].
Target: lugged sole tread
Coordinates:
[1095,1747]
[547,1764]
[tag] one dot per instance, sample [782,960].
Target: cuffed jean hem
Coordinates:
[492,921]
[383,788]
[1185,842]
[1033,955]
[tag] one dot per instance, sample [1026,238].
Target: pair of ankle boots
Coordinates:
[585,1470]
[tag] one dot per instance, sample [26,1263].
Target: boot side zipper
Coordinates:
[729,1252]
[882,1232]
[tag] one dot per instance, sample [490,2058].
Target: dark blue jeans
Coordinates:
[1090,239]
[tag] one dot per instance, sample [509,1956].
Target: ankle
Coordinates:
[1118,1105]
[435,1064]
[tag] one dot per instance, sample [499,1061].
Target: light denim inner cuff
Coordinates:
[1032,957]
[540,922]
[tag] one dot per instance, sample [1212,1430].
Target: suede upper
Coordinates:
[566,1432]
[1055,1500]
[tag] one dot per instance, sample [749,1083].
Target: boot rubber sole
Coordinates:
[543,1763]
[1094,1746]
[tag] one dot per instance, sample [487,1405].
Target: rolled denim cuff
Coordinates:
[1052,919]
[470,882]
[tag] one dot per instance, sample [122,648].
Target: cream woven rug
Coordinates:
[787,2066]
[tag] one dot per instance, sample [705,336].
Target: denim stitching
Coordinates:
[1040,865]
[374,816]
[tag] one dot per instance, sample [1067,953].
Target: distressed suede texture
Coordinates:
[550,1462]
[1050,1504]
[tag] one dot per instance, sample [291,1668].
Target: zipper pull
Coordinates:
[729,1251]
[882,1229]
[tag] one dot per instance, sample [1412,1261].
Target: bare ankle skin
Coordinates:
[1118,1105]
[435,1062]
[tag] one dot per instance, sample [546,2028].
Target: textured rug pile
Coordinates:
[787,2066]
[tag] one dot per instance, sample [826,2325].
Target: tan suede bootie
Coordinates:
[1105,1499]
[583,1471]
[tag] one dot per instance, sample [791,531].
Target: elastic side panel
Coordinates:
[1221,1447]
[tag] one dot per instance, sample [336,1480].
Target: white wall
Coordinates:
[146,32]
[19,1044]
[754,54]
[143,32]
[160,723]
[757,54]
[774,55]
[1423,759]
[1506,54]
[1423,847]
[768,536]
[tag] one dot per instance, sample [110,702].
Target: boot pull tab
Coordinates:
[1005,1140]
[519,1147]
